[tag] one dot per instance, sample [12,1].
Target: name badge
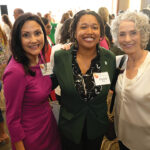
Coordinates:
[45,69]
[101,78]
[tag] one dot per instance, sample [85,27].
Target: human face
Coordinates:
[16,15]
[48,28]
[129,38]
[32,38]
[87,32]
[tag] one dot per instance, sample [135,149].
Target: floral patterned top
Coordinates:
[3,56]
[85,84]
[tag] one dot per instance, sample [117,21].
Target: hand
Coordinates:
[4,138]
[66,46]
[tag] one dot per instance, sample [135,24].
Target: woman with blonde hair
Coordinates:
[3,51]
[3,61]
[104,14]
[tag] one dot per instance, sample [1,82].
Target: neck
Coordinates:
[135,60]
[87,53]
[34,61]
[137,56]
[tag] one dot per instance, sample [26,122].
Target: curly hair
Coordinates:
[16,44]
[76,19]
[141,22]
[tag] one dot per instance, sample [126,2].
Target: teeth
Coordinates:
[89,39]
[129,45]
[34,46]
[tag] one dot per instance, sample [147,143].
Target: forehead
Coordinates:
[30,25]
[126,25]
[88,18]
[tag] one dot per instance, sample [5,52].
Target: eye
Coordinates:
[133,32]
[83,27]
[95,27]
[38,33]
[25,35]
[122,34]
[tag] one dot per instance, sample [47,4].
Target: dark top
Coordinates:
[85,84]
[74,110]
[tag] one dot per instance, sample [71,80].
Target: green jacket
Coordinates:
[74,111]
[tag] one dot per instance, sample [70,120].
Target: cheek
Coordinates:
[23,43]
[42,41]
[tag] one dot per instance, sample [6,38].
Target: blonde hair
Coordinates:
[3,36]
[104,14]
[141,22]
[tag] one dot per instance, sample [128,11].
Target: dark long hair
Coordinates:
[6,20]
[16,44]
[76,19]
[65,31]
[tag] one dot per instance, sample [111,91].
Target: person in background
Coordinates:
[70,13]
[18,12]
[64,44]
[131,32]
[27,85]
[3,62]
[83,113]
[3,135]
[64,17]
[7,26]
[49,49]
[53,25]
[147,12]
[50,44]
[4,52]
[104,14]
[39,14]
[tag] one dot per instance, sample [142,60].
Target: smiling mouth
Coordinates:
[34,46]
[128,45]
[89,39]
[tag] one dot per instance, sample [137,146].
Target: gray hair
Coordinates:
[141,24]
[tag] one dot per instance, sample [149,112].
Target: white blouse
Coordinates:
[132,108]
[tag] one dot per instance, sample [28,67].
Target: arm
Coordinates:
[54,81]
[14,88]
[19,145]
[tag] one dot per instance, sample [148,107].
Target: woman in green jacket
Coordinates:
[84,74]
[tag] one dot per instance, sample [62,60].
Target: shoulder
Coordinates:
[63,52]
[15,69]
[106,53]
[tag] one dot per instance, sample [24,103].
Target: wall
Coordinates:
[123,4]
[145,3]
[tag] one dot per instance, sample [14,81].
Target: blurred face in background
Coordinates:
[48,28]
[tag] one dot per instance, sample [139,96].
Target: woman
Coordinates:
[80,72]
[3,135]
[64,17]
[104,13]
[50,44]
[7,25]
[131,31]
[30,120]
[3,51]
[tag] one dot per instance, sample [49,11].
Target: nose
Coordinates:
[127,38]
[89,30]
[33,38]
